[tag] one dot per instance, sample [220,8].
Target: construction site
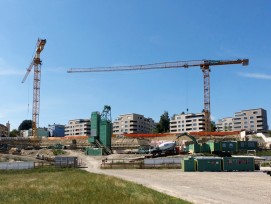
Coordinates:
[105,152]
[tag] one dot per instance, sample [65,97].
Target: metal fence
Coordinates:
[169,163]
[16,165]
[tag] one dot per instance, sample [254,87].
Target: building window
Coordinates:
[255,112]
[251,117]
[251,121]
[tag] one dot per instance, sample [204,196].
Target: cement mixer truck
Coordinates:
[165,148]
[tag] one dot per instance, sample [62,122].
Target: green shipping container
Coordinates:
[188,164]
[214,146]
[194,148]
[205,148]
[229,146]
[209,163]
[238,164]
[94,151]
[247,145]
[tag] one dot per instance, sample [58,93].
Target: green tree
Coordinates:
[14,133]
[213,126]
[163,125]
[25,125]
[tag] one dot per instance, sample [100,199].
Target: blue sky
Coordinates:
[94,33]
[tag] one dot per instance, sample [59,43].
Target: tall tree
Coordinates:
[163,125]
[25,125]
[213,126]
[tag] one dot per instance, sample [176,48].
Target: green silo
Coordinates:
[95,126]
[105,133]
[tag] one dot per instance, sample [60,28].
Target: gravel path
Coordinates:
[196,187]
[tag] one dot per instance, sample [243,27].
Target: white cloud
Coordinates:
[255,75]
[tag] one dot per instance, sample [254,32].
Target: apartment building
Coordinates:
[224,124]
[187,123]
[78,127]
[56,130]
[4,130]
[133,123]
[253,120]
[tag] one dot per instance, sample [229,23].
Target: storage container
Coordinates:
[238,164]
[205,148]
[229,146]
[247,145]
[94,151]
[194,148]
[214,146]
[209,163]
[188,164]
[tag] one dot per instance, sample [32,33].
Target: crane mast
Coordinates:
[203,64]
[36,63]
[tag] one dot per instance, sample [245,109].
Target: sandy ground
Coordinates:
[196,187]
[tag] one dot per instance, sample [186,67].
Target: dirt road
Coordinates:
[196,187]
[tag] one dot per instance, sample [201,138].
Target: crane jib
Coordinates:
[165,65]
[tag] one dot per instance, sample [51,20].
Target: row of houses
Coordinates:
[251,120]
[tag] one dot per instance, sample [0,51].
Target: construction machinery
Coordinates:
[36,63]
[203,64]
[101,132]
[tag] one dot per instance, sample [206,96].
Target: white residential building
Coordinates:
[187,123]
[253,119]
[225,124]
[133,123]
[78,127]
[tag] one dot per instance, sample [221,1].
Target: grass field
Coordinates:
[51,185]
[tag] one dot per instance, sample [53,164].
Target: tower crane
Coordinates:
[203,64]
[36,63]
